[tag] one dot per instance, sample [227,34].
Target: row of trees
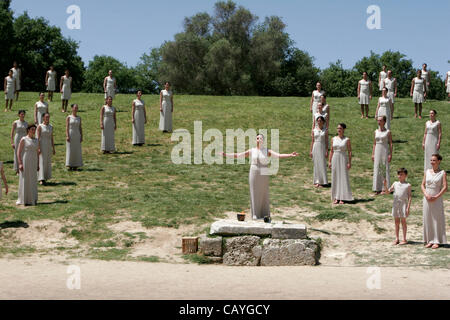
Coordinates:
[227,53]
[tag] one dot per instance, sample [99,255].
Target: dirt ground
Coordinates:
[405,272]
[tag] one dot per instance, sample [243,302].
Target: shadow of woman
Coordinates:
[355,201]
[13,224]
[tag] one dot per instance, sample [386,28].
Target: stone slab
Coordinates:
[262,229]
[242,251]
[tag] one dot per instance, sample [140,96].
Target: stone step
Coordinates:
[256,228]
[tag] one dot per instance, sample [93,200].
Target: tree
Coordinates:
[339,82]
[148,70]
[39,45]
[6,37]
[98,69]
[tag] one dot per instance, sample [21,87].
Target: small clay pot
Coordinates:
[241,216]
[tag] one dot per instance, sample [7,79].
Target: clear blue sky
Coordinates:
[327,29]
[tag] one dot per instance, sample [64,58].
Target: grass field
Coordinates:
[142,185]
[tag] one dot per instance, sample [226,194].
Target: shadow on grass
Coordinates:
[13,224]
[62,183]
[123,152]
[48,203]
[8,162]
[154,145]
[59,144]
[356,201]
[399,141]
[91,170]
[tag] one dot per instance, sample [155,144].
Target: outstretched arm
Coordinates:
[282,155]
[236,155]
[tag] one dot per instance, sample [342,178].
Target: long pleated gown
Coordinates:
[318,154]
[45,158]
[433,212]
[381,162]
[139,122]
[74,158]
[259,184]
[108,138]
[20,132]
[431,141]
[165,117]
[340,182]
[28,194]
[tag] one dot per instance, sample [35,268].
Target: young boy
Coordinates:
[2,173]
[402,203]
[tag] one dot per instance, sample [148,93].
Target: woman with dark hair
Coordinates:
[315,99]
[431,139]
[364,94]
[434,185]
[166,108]
[381,78]
[50,82]
[40,108]
[418,92]
[74,138]
[340,163]
[46,149]
[319,152]
[110,85]
[259,176]
[384,108]
[9,86]
[139,119]
[381,155]
[18,131]
[108,124]
[28,154]
[65,86]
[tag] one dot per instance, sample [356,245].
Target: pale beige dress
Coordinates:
[364,91]
[340,181]
[385,110]
[74,157]
[45,158]
[165,118]
[400,199]
[259,184]
[20,132]
[381,162]
[419,90]
[433,212]
[110,90]
[28,192]
[318,154]
[431,141]
[139,122]
[108,132]
[42,108]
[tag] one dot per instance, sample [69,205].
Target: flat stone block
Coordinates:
[235,228]
[289,231]
[210,246]
[261,229]
[291,252]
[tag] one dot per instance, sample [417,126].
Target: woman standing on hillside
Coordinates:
[110,85]
[46,149]
[381,155]
[418,92]
[65,86]
[18,131]
[315,99]
[139,119]
[108,124]
[166,108]
[364,94]
[384,108]
[381,78]
[50,82]
[431,139]
[319,152]
[259,176]
[27,155]
[9,86]
[434,185]
[74,138]
[340,163]
[40,108]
